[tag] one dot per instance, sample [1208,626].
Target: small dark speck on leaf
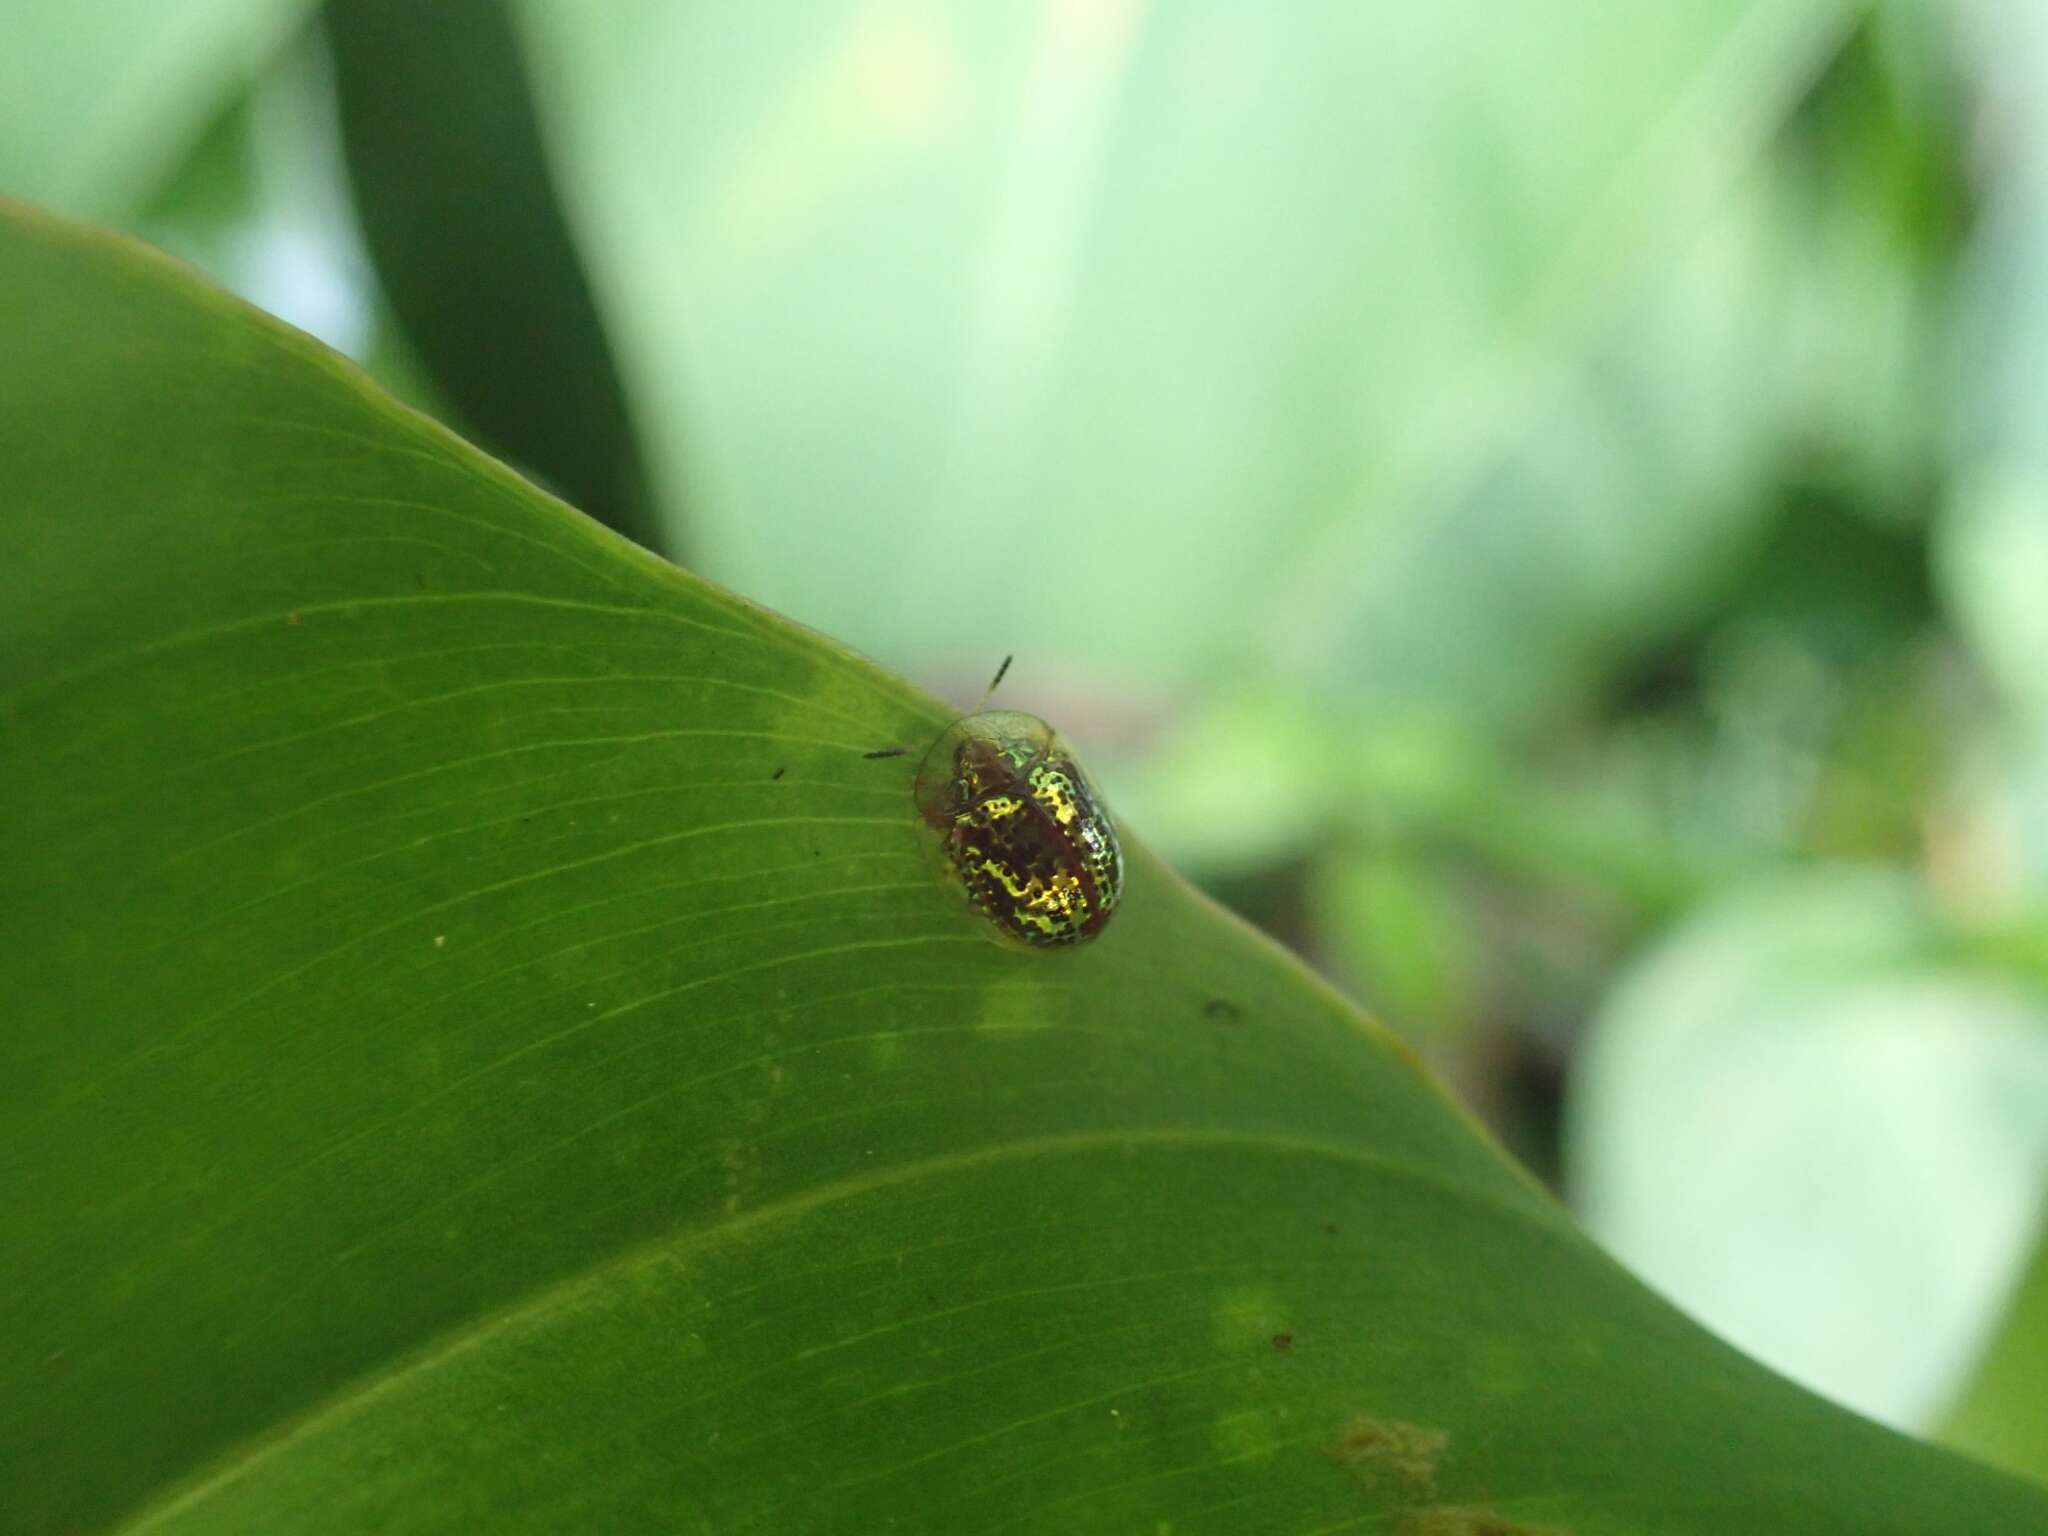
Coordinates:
[1223,1010]
[778,773]
[1330,1227]
[887,752]
[1283,1342]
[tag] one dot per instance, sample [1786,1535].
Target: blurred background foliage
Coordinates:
[1544,507]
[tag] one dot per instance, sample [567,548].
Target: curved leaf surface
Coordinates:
[488,1053]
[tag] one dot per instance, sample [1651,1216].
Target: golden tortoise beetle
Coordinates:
[1009,815]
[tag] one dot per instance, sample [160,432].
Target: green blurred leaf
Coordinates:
[261,205]
[1251,303]
[1994,565]
[2003,1414]
[1992,544]
[1806,1119]
[98,102]
[457,206]
[488,1054]
[1401,933]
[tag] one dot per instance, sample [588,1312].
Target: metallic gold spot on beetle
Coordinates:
[1010,817]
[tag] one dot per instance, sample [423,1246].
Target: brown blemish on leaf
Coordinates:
[1387,1453]
[1283,1342]
[1448,1521]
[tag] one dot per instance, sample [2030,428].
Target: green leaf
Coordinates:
[451,181]
[261,206]
[1892,1156]
[487,1053]
[1250,299]
[2002,1415]
[97,102]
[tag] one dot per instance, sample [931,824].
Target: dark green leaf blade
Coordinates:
[460,214]
[490,1053]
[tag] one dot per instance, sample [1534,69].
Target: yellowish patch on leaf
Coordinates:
[1246,1317]
[1252,1436]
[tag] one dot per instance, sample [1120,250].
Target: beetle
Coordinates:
[1011,817]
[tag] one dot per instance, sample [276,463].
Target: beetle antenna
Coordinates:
[992,683]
